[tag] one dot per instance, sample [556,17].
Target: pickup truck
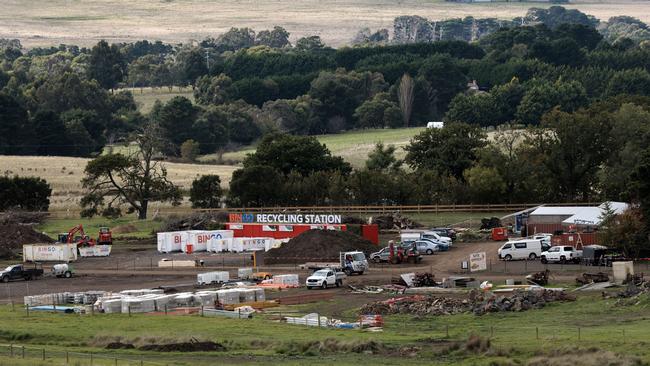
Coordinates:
[561,254]
[18,271]
[324,278]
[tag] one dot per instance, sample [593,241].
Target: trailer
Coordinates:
[212,277]
[171,241]
[66,252]
[103,250]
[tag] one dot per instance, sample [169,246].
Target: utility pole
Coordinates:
[207,60]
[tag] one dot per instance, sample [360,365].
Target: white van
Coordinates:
[521,249]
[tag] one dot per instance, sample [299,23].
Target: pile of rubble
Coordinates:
[394,221]
[197,221]
[477,303]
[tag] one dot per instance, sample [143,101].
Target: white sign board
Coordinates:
[477,262]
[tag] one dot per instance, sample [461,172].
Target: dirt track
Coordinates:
[135,266]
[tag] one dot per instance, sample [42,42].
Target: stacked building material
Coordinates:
[286,279]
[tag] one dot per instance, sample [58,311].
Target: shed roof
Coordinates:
[580,215]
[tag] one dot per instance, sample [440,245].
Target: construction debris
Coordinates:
[477,303]
[198,221]
[592,278]
[424,279]
[538,278]
[394,221]
[490,223]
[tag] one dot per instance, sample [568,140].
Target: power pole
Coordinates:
[207,60]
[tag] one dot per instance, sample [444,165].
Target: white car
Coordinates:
[562,254]
[324,278]
[435,236]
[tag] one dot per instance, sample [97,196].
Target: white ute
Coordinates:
[324,278]
[562,254]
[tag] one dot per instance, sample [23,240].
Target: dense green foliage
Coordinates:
[24,193]
[61,100]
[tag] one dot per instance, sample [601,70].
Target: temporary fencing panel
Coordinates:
[95,251]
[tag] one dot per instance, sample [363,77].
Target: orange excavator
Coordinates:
[78,236]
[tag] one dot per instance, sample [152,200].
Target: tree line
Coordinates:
[68,100]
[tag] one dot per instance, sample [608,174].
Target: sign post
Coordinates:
[477,262]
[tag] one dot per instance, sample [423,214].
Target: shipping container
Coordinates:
[50,252]
[171,241]
[199,240]
[212,277]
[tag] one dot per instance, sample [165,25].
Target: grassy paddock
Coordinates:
[515,337]
[51,22]
[353,146]
[138,228]
[146,97]
[65,173]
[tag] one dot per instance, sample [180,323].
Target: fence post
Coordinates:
[141,362]
[318,316]
[23,352]
[115,361]
[537,333]
[11,349]
[91,359]
[129,307]
[578,333]
[43,353]
[27,310]
[447,331]
[165,309]
[623,336]
[201,310]
[491,331]
[67,358]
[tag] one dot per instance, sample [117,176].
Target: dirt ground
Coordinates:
[84,22]
[134,266]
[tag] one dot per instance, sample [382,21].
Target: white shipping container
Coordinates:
[200,239]
[244,273]
[50,252]
[219,245]
[171,241]
[212,277]
[253,244]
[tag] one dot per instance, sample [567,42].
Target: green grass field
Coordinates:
[557,331]
[146,97]
[353,146]
[134,228]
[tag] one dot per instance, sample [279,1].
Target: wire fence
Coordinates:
[32,354]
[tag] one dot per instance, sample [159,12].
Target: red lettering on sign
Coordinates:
[234,217]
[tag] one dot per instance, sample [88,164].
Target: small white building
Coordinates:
[435,124]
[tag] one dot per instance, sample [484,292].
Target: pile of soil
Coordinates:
[119,345]
[124,229]
[13,236]
[198,221]
[317,246]
[22,217]
[193,346]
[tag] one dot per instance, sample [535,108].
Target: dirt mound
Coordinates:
[124,229]
[119,345]
[193,346]
[198,221]
[22,217]
[13,236]
[318,245]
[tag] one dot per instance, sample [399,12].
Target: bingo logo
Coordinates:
[247,218]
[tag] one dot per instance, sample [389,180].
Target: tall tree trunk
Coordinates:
[142,212]
[405,97]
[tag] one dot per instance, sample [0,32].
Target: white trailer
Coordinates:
[171,241]
[212,277]
[238,245]
[50,252]
[219,245]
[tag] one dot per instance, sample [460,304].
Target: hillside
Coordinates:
[64,175]
[51,22]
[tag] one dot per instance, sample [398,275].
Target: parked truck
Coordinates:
[349,263]
[561,254]
[19,272]
[324,278]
